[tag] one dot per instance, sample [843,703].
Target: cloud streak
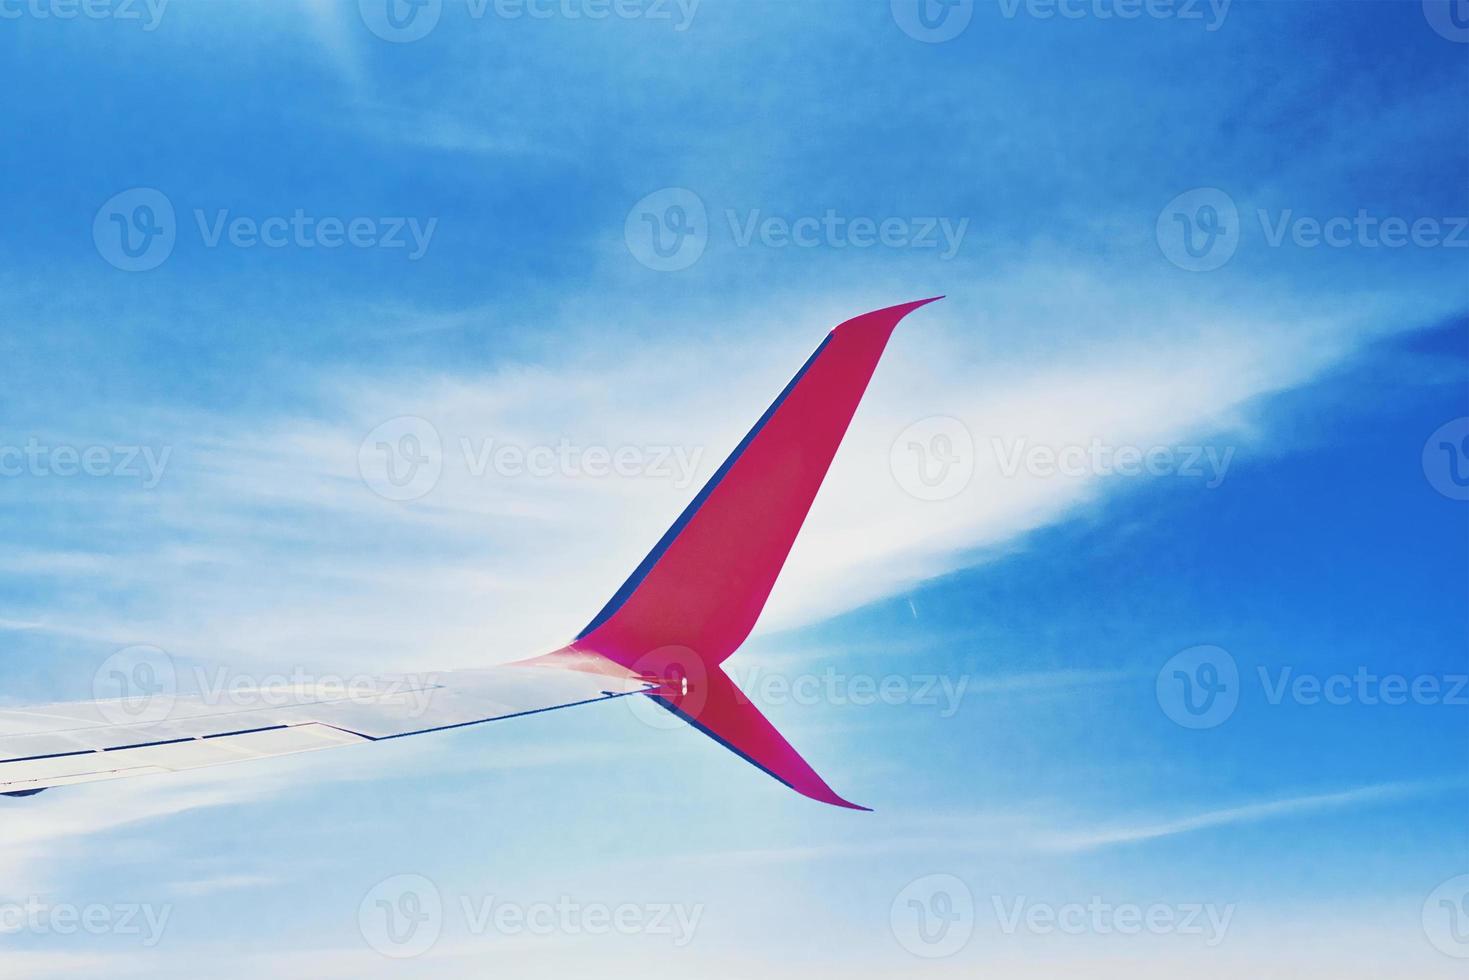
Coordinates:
[1277,809]
[486,567]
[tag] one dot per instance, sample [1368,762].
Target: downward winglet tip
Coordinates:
[823,793]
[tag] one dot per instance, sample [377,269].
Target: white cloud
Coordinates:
[1284,807]
[39,829]
[264,545]
[214,884]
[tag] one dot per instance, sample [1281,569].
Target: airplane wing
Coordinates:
[663,635]
[86,741]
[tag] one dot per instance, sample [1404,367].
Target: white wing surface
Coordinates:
[62,744]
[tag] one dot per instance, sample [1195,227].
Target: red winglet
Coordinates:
[723,712]
[696,596]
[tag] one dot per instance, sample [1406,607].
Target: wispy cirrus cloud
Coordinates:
[1034,829]
[1281,808]
[487,565]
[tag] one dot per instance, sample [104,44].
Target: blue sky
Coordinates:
[1230,235]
